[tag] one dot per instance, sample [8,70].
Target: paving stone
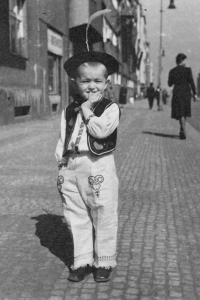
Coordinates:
[118,285]
[103,288]
[73,291]
[133,291]
[58,292]
[116,293]
[70,297]
[130,297]
[102,295]
[89,291]
[56,298]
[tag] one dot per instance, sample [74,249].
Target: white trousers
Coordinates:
[89,190]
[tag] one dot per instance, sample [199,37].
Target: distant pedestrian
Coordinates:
[181,78]
[123,94]
[164,96]
[131,100]
[150,94]
[157,96]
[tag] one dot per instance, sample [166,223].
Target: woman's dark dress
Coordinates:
[181,78]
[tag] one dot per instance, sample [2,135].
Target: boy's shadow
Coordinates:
[173,136]
[54,235]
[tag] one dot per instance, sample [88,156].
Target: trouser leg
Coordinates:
[152,100]
[77,217]
[102,197]
[106,225]
[149,101]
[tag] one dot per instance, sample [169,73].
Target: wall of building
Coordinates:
[24,89]
[76,18]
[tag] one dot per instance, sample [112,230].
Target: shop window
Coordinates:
[54,107]
[17,26]
[22,111]
[115,4]
[54,73]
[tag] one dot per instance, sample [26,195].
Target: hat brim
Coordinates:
[78,59]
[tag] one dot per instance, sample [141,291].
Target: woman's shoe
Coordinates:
[182,135]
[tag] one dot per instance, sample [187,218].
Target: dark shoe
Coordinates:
[78,274]
[182,135]
[102,274]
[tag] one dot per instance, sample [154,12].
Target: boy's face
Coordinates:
[91,79]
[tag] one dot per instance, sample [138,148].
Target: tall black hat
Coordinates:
[79,58]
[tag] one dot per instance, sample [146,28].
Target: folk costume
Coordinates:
[87,179]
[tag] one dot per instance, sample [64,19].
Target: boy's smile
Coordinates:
[91,81]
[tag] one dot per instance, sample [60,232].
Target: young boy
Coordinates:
[87,179]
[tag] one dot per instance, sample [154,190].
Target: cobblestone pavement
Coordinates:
[159,213]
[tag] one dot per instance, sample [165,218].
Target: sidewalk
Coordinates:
[159,204]
[159,222]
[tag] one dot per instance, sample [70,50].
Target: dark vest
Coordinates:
[96,146]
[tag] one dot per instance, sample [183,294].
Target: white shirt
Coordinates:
[99,127]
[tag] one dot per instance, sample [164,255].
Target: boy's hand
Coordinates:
[93,98]
[195,98]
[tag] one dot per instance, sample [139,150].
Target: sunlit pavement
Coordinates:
[159,222]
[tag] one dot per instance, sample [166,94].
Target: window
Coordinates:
[54,72]
[115,4]
[108,34]
[17,23]
[22,110]
[117,79]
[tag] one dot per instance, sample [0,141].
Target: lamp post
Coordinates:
[171,6]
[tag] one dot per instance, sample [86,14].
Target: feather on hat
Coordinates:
[77,59]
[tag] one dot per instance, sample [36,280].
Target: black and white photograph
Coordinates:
[99,149]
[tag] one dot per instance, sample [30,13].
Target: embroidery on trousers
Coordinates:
[95,182]
[60,182]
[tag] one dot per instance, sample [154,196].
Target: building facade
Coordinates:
[144,66]
[33,46]
[36,37]
[119,34]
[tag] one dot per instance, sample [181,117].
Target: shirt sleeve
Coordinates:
[103,126]
[61,140]
[191,81]
[170,79]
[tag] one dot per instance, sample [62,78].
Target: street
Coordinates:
[159,212]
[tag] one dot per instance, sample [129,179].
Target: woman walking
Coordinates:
[181,78]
